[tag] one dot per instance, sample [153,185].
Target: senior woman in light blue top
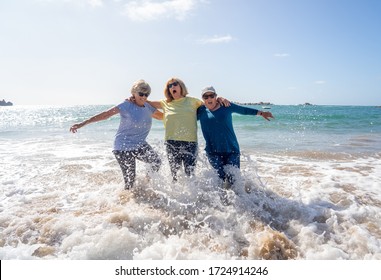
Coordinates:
[130,140]
[221,144]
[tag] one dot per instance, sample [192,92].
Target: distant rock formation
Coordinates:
[306,104]
[254,103]
[4,103]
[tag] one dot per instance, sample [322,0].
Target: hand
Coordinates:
[75,127]
[267,115]
[223,101]
[131,99]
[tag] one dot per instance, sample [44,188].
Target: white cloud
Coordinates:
[320,82]
[216,39]
[95,3]
[147,10]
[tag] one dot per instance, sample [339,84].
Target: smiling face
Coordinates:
[140,91]
[140,98]
[210,100]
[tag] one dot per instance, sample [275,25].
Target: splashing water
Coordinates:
[62,197]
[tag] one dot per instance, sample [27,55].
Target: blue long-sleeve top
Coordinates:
[217,127]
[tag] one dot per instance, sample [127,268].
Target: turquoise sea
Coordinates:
[309,188]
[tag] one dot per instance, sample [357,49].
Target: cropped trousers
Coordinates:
[127,162]
[220,161]
[181,153]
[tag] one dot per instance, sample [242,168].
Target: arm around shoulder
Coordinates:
[156,104]
[223,101]
[158,115]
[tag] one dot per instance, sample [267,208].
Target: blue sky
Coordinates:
[68,52]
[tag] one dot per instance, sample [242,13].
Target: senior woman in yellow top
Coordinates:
[180,122]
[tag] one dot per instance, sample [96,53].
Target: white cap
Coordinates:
[208,89]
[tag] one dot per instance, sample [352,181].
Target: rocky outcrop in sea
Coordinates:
[5,103]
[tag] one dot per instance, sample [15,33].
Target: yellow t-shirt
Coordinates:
[180,118]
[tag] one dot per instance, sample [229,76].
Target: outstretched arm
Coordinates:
[100,117]
[250,111]
[265,115]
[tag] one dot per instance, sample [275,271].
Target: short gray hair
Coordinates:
[141,86]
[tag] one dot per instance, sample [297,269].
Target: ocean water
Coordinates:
[309,188]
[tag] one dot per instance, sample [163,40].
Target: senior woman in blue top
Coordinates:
[130,140]
[222,147]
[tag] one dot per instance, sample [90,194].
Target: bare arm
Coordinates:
[155,104]
[100,117]
[158,115]
[223,101]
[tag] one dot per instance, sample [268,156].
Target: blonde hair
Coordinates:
[167,93]
[140,86]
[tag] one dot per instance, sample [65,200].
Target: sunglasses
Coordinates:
[207,96]
[173,84]
[141,94]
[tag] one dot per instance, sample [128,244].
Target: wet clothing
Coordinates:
[180,122]
[220,160]
[135,124]
[181,153]
[130,140]
[221,144]
[217,127]
[127,162]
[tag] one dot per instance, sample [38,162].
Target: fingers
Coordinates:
[74,128]
[268,115]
